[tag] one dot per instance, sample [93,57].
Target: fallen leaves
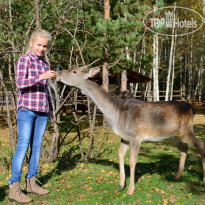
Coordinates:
[99,179]
[165,196]
[165,202]
[8,177]
[172,199]
[159,190]
[109,173]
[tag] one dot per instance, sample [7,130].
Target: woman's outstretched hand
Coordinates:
[47,75]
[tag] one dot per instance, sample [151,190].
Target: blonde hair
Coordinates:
[38,33]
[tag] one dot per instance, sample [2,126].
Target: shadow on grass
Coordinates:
[3,192]
[65,163]
[165,165]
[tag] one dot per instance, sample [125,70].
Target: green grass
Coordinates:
[97,181]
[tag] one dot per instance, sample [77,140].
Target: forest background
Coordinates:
[111,32]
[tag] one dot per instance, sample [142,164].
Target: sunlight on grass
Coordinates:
[97,181]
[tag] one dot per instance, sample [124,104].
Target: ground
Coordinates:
[97,181]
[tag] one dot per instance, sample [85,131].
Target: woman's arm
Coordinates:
[22,80]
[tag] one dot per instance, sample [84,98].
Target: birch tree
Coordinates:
[155,68]
[173,69]
[168,81]
[155,65]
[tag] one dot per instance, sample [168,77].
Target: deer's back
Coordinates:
[153,119]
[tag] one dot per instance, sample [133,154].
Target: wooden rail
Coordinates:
[176,95]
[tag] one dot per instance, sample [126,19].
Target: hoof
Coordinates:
[121,188]
[130,193]
[177,178]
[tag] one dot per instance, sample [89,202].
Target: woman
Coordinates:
[34,107]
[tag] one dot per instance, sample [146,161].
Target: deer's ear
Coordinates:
[92,72]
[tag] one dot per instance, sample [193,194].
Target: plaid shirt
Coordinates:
[33,94]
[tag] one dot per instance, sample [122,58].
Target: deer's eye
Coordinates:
[74,71]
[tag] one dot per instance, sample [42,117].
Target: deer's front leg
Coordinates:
[122,151]
[135,146]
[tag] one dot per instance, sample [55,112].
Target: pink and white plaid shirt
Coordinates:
[33,94]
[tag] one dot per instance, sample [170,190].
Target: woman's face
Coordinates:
[39,45]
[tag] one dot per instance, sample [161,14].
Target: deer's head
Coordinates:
[76,76]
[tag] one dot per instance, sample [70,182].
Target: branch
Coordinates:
[113,64]
[57,111]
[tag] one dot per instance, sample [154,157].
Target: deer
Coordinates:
[136,121]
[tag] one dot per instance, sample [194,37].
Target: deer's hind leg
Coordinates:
[191,139]
[183,148]
[122,151]
[200,146]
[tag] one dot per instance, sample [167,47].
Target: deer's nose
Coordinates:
[58,78]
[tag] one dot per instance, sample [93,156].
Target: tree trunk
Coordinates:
[200,84]
[148,91]
[92,118]
[124,84]
[105,72]
[14,88]
[9,118]
[55,142]
[173,69]
[38,22]
[168,82]
[105,77]
[155,68]
[190,69]
[124,79]
[155,65]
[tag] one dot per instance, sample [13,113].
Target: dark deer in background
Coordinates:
[135,121]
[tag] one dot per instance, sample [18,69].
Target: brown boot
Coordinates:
[32,187]
[17,195]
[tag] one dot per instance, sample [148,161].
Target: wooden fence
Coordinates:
[3,99]
[189,96]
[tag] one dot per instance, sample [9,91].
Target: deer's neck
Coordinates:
[108,105]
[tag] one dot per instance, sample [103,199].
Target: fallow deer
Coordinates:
[135,121]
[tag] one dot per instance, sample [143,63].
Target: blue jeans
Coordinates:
[31,128]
